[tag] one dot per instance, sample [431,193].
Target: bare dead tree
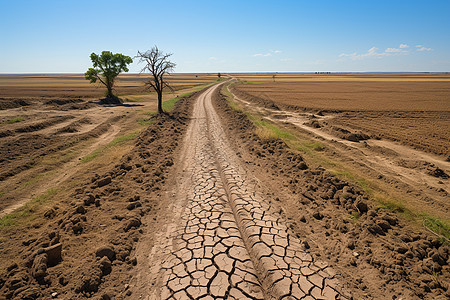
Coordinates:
[157,63]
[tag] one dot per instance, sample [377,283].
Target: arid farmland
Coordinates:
[76,86]
[298,185]
[412,109]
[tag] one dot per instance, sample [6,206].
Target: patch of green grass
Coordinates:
[27,210]
[145,122]
[267,130]
[230,99]
[15,120]
[438,226]
[308,146]
[2,193]
[169,104]
[392,205]
[355,217]
[118,140]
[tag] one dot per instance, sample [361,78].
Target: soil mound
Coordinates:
[75,126]
[13,103]
[348,135]
[63,101]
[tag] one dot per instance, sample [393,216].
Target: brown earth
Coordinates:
[95,226]
[379,255]
[377,156]
[75,85]
[84,244]
[44,137]
[357,95]
[415,113]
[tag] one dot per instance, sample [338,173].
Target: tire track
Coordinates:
[228,244]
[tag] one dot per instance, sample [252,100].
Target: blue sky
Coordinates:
[228,36]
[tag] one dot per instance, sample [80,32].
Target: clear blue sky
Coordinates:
[43,36]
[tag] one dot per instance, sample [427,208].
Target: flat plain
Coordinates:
[115,201]
[410,108]
[74,85]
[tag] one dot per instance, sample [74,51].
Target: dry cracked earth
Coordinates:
[229,244]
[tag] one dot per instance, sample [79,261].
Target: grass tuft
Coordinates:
[26,210]
[15,120]
[145,122]
[438,226]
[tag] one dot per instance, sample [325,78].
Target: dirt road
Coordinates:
[225,241]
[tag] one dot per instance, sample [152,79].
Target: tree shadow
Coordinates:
[112,102]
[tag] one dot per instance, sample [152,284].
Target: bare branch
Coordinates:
[157,64]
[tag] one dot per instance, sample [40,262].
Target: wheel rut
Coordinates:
[228,243]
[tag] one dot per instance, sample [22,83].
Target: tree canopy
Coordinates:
[106,67]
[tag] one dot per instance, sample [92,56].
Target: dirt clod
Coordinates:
[361,206]
[132,223]
[317,215]
[105,265]
[90,199]
[39,268]
[106,251]
[104,181]
[53,254]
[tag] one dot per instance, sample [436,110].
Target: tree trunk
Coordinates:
[160,109]
[110,93]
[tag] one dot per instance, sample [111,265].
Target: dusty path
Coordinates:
[224,242]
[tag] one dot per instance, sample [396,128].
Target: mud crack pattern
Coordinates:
[229,244]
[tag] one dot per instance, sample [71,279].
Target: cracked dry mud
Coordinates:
[227,243]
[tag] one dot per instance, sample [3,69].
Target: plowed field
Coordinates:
[409,109]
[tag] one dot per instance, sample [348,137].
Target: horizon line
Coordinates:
[246,72]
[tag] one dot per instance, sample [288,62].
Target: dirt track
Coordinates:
[226,242]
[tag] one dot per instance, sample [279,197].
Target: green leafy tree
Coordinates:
[107,67]
[157,63]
